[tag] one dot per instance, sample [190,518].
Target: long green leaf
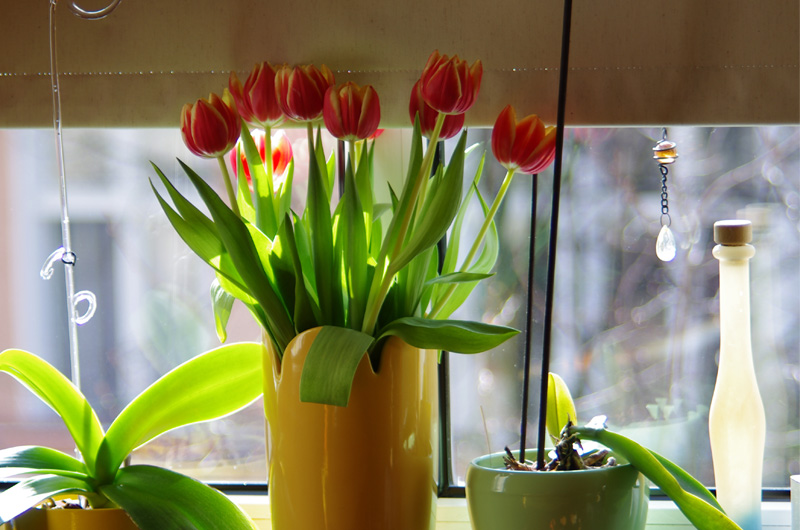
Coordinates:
[454,242]
[28,493]
[331,364]
[158,499]
[320,230]
[193,229]
[459,277]
[59,394]
[436,219]
[484,264]
[451,335]
[351,245]
[266,219]
[40,460]
[238,242]
[306,311]
[704,513]
[211,385]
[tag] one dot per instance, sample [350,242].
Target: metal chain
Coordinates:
[664,196]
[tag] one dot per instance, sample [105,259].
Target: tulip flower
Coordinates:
[281,154]
[256,100]
[449,85]
[301,90]
[453,123]
[210,129]
[527,146]
[211,126]
[351,112]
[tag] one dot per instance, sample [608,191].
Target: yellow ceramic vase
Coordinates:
[46,519]
[368,466]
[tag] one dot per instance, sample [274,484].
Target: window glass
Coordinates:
[635,338]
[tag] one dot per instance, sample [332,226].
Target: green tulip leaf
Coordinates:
[331,364]
[306,311]
[320,231]
[560,406]
[59,394]
[459,277]
[266,218]
[443,204]
[33,491]
[206,387]
[239,244]
[351,245]
[157,498]
[450,335]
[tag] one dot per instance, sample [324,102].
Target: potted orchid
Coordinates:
[352,303]
[211,385]
[595,479]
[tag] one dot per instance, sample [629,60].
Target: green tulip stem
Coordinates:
[226,178]
[383,278]
[476,245]
[351,146]
[271,173]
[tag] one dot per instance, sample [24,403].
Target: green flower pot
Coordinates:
[596,499]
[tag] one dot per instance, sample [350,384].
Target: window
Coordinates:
[635,338]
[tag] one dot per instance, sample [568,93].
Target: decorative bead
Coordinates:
[665,152]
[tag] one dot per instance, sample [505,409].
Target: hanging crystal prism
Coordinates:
[665,244]
[665,153]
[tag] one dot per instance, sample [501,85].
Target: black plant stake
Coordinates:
[526,377]
[551,257]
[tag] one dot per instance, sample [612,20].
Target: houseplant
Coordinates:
[350,292]
[208,386]
[529,498]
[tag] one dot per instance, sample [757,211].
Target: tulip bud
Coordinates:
[257,101]
[527,146]
[210,127]
[281,154]
[453,123]
[301,90]
[351,112]
[449,85]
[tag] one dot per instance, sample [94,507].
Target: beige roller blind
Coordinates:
[632,62]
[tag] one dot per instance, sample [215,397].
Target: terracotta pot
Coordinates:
[597,499]
[102,519]
[370,465]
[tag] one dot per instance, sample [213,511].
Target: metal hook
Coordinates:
[92,15]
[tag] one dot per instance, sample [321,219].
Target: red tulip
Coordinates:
[210,127]
[527,146]
[453,123]
[301,90]
[281,154]
[351,112]
[449,85]
[257,101]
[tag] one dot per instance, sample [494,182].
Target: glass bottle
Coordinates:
[736,420]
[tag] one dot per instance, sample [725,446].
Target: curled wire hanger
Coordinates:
[78,11]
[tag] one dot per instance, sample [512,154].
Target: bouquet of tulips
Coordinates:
[360,269]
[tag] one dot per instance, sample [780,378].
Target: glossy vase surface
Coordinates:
[74,519]
[370,465]
[597,499]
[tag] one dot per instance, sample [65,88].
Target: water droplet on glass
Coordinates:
[665,244]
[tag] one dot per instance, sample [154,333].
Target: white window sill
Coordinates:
[451,514]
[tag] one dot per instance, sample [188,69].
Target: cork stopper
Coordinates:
[734,232]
